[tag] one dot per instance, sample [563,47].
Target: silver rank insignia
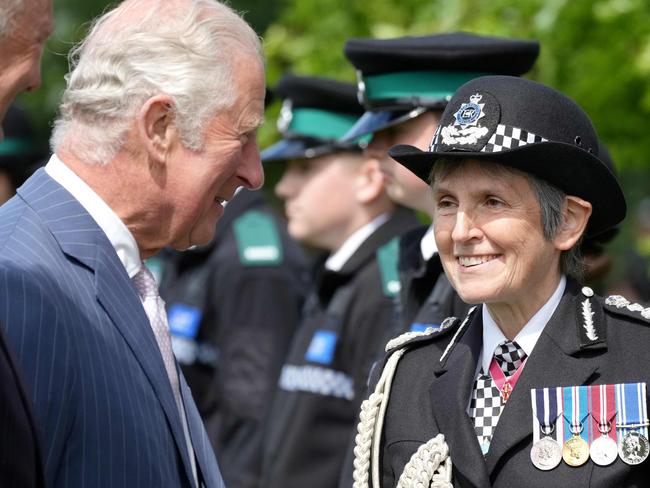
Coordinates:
[466,128]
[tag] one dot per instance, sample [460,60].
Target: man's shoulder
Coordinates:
[18,224]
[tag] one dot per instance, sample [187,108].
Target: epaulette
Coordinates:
[258,239]
[621,305]
[447,325]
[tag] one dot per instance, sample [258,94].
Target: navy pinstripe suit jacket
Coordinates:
[89,357]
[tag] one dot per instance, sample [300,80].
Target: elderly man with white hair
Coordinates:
[156,131]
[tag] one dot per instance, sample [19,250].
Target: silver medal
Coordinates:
[546,454]
[603,451]
[634,448]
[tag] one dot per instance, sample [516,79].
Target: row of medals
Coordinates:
[546,453]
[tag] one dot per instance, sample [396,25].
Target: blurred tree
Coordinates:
[596,51]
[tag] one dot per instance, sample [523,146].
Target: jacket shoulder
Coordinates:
[427,335]
[620,306]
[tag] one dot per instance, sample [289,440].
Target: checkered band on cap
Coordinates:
[505,137]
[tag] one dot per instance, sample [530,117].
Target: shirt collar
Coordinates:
[338,259]
[428,245]
[118,234]
[528,336]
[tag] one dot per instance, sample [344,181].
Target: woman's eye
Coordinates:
[494,202]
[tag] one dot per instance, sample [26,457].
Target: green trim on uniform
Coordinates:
[422,84]
[321,124]
[258,239]
[15,147]
[387,258]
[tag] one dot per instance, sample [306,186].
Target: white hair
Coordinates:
[142,48]
[9,10]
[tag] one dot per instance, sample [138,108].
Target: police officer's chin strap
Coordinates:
[430,465]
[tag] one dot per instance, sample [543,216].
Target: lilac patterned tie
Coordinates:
[154,306]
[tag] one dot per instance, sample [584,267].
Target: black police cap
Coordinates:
[456,51]
[320,93]
[316,113]
[401,78]
[528,126]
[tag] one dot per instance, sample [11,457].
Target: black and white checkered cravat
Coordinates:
[486,404]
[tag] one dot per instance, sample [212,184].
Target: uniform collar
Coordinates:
[428,245]
[338,259]
[527,337]
[118,234]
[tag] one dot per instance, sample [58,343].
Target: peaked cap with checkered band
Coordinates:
[530,127]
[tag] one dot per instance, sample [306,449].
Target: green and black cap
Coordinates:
[398,79]
[315,114]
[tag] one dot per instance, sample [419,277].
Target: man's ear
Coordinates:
[575,216]
[370,181]
[156,127]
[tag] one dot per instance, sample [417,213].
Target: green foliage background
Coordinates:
[596,51]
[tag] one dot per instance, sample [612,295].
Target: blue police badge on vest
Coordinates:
[322,346]
[184,320]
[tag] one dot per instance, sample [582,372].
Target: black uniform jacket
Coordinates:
[20,455]
[426,296]
[246,315]
[324,378]
[431,396]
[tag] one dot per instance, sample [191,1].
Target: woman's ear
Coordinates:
[370,182]
[575,217]
[156,128]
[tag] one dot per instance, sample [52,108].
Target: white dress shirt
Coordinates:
[338,259]
[428,245]
[526,338]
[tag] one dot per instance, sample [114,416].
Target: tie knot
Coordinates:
[509,356]
[145,283]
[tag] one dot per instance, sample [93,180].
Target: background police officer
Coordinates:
[233,307]
[335,200]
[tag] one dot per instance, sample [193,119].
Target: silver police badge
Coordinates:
[546,454]
[466,128]
[634,448]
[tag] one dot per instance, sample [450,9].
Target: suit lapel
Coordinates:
[206,464]
[555,361]
[81,239]
[450,394]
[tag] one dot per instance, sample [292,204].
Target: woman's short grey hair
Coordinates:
[9,10]
[551,203]
[182,48]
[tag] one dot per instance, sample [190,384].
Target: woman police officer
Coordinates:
[517,184]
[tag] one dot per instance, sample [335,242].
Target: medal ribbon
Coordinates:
[632,408]
[603,411]
[505,385]
[576,411]
[546,409]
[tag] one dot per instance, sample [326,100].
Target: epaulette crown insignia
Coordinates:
[622,303]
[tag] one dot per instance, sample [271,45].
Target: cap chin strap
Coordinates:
[430,465]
